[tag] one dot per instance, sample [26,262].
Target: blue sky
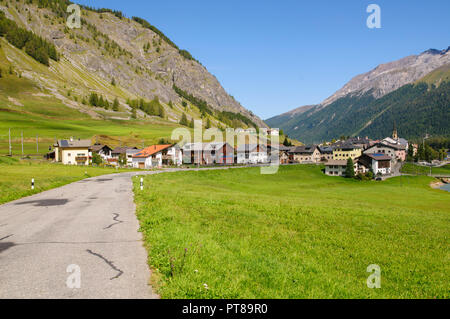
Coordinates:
[274,56]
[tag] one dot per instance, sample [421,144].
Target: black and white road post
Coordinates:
[32,184]
[142,183]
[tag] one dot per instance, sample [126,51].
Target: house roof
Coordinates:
[379,157]
[98,147]
[74,143]
[122,149]
[133,151]
[346,146]
[326,150]
[306,149]
[336,163]
[283,148]
[203,146]
[388,145]
[151,150]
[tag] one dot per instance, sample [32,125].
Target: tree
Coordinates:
[161,112]
[184,120]
[410,156]
[286,142]
[184,104]
[115,105]
[113,82]
[192,123]
[93,99]
[208,124]
[350,170]
[96,159]
[122,159]
[133,113]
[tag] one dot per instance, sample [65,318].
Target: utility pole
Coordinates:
[10,148]
[22,142]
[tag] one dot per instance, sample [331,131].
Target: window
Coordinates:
[69,155]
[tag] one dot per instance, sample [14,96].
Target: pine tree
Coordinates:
[162,113]
[350,170]
[115,105]
[184,120]
[286,142]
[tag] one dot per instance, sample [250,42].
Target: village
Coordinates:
[369,158]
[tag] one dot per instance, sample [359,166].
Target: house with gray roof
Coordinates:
[73,152]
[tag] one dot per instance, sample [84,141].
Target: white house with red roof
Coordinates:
[157,156]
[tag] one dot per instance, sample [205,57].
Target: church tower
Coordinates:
[395,132]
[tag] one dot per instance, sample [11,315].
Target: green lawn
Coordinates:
[409,168]
[296,234]
[15,177]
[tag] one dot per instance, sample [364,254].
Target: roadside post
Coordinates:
[142,183]
[32,184]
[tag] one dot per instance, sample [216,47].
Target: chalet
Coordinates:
[362,143]
[326,153]
[73,152]
[396,152]
[305,154]
[157,156]
[103,150]
[283,153]
[380,164]
[342,152]
[335,167]
[208,153]
[118,152]
[129,155]
[252,154]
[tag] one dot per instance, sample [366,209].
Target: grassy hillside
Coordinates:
[297,234]
[112,56]
[26,107]
[15,180]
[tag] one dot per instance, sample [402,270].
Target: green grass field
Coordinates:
[15,179]
[296,234]
[409,168]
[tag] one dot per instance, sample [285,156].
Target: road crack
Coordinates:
[115,218]
[109,263]
[6,237]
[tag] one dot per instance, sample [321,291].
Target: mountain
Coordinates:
[413,92]
[110,57]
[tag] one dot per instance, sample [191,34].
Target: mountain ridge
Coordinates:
[131,53]
[431,67]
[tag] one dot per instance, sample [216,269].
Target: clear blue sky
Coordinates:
[274,56]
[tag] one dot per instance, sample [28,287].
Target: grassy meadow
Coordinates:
[16,175]
[410,168]
[296,234]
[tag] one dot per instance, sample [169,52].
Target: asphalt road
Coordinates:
[90,224]
[83,234]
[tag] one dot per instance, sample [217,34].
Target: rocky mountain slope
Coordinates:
[371,102]
[389,77]
[118,57]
